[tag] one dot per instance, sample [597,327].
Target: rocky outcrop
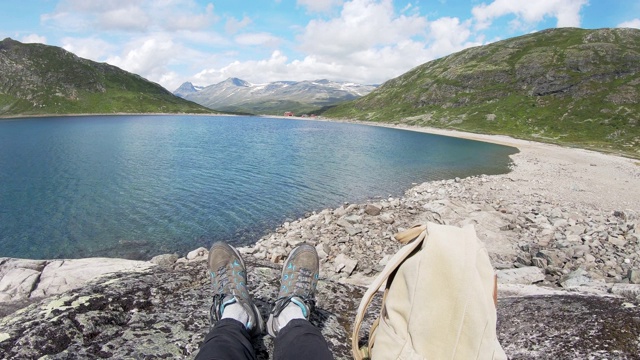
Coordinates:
[163,313]
[22,279]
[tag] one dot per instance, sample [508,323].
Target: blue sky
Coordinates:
[364,41]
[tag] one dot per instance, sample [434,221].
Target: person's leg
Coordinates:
[300,339]
[295,336]
[233,312]
[227,340]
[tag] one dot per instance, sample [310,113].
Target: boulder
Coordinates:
[165,259]
[8,264]
[575,278]
[524,275]
[372,210]
[344,264]
[387,218]
[350,229]
[634,276]
[631,291]
[353,219]
[554,257]
[18,283]
[198,254]
[539,262]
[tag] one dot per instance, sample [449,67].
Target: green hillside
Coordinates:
[38,79]
[568,86]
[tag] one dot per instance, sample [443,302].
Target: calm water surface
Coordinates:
[137,186]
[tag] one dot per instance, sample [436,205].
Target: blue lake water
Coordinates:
[138,186]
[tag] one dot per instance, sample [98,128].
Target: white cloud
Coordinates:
[234,25]
[363,24]
[319,5]
[449,35]
[190,20]
[263,39]
[635,23]
[152,57]
[90,48]
[368,42]
[34,38]
[127,16]
[528,13]
[276,64]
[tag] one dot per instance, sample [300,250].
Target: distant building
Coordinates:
[288,113]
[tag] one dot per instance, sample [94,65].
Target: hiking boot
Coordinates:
[297,285]
[229,280]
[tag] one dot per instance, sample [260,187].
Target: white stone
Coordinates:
[198,254]
[524,275]
[322,253]
[345,264]
[575,278]
[64,275]
[632,290]
[17,283]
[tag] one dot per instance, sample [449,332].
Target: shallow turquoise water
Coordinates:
[137,186]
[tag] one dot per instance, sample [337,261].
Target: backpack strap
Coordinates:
[418,232]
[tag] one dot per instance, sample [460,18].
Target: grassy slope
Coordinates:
[553,86]
[53,81]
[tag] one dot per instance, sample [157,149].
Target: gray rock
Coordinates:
[524,275]
[345,264]
[634,276]
[372,210]
[618,241]
[165,259]
[64,275]
[353,219]
[350,229]
[554,257]
[7,264]
[339,212]
[163,313]
[575,278]
[18,283]
[198,254]
[321,250]
[387,218]
[343,223]
[559,327]
[539,262]
[628,290]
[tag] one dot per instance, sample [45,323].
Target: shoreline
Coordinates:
[555,198]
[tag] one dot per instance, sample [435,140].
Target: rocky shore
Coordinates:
[561,229]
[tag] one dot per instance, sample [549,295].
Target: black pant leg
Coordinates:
[228,340]
[299,339]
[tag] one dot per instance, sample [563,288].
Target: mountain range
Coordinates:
[40,79]
[569,86]
[275,98]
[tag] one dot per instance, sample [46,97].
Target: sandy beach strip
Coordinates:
[573,176]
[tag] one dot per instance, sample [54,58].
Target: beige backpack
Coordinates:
[439,300]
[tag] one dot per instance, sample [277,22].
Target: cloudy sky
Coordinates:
[365,41]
